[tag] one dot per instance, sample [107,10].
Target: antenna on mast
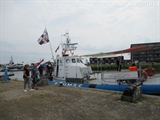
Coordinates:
[67,46]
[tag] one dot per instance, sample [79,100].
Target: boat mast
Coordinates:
[11,61]
[67,46]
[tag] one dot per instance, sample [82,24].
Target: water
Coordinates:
[17,75]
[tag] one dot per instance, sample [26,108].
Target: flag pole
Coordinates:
[51,50]
[49,40]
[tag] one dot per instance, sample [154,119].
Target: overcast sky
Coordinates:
[96,25]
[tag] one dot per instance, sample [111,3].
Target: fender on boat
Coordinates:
[150,71]
[132,68]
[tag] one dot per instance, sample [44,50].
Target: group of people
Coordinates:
[27,77]
[36,74]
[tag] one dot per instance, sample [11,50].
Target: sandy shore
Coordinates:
[52,102]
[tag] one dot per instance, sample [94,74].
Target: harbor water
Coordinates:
[18,75]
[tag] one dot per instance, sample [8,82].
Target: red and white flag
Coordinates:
[40,63]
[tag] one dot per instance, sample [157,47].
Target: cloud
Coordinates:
[98,26]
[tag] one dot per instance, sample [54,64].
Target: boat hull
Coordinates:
[153,89]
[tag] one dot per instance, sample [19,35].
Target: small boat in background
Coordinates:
[11,66]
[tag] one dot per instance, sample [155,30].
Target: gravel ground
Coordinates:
[52,102]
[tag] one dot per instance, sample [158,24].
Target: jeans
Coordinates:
[26,80]
[35,80]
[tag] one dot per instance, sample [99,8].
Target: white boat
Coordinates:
[19,66]
[69,70]
[1,69]
[70,67]
[12,67]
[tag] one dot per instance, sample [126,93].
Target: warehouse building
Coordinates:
[151,55]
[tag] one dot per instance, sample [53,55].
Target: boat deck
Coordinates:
[113,76]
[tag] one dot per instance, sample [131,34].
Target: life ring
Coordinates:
[150,71]
[132,68]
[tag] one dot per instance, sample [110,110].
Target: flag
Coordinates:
[40,63]
[57,49]
[44,38]
[65,34]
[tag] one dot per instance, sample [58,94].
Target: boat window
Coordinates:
[81,61]
[73,61]
[61,61]
[67,60]
[78,60]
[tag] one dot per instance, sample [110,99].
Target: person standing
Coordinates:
[40,69]
[34,75]
[118,64]
[26,77]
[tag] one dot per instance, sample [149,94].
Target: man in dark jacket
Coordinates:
[118,64]
[34,75]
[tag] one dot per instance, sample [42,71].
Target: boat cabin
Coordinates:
[70,67]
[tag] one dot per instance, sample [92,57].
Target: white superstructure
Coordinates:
[69,67]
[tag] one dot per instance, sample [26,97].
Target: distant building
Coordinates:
[152,55]
[105,60]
